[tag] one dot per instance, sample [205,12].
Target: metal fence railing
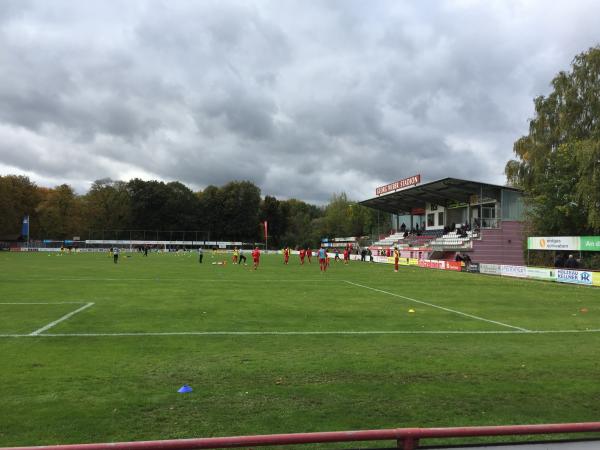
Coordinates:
[405,438]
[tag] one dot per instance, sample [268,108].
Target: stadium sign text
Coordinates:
[400,184]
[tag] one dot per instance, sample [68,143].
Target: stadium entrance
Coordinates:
[452,218]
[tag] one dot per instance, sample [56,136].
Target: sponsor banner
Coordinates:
[490,269]
[400,184]
[137,242]
[590,243]
[432,264]
[573,276]
[513,271]
[554,243]
[404,261]
[596,278]
[473,268]
[540,273]
[380,259]
[454,265]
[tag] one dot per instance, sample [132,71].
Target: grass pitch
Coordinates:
[94,352]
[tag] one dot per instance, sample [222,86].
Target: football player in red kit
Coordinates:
[286,255]
[302,254]
[309,254]
[256,257]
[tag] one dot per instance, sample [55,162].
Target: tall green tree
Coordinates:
[274,213]
[61,214]
[209,209]
[303,224]
[108,205]
[19,196]
[558,162]
[182,207]
[149,205]
[240,211]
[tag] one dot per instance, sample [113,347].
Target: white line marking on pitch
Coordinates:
[297,333]
[42,303]
[63,318]
[200,280]
[439,307]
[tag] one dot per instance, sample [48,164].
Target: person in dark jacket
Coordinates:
[571,263]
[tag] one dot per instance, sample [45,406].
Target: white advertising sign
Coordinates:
[539,273]
[554,243]
[573,276]
[514,271]
[490,269]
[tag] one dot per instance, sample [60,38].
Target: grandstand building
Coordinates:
[449,217]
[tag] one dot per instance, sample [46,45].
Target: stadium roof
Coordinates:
[440,192]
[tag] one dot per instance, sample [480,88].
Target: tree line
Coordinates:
[558,162]
[154,209]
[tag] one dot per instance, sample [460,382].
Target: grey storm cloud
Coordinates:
[303,98]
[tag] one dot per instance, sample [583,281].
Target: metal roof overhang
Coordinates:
[440,192]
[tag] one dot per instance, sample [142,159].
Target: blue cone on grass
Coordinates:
[185,389]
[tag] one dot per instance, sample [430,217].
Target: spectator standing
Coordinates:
[571,263]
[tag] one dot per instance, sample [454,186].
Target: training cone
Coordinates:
[185,389]
[411,310]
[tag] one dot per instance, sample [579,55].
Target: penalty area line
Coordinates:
[439,307]
[57,321]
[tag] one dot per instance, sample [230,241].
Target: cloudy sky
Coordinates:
[304,98]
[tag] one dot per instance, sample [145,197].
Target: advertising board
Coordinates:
[431,263]
[473,267]
[554,243]
[590,243]
[490,269]
[380,259]
[539,273]
[454,265]
[596,278]
[513,271]
[573,276]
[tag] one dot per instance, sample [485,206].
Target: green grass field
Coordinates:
[94,352]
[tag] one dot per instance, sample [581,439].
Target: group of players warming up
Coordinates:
[238,256]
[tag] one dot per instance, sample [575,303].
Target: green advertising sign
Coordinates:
[590,243]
